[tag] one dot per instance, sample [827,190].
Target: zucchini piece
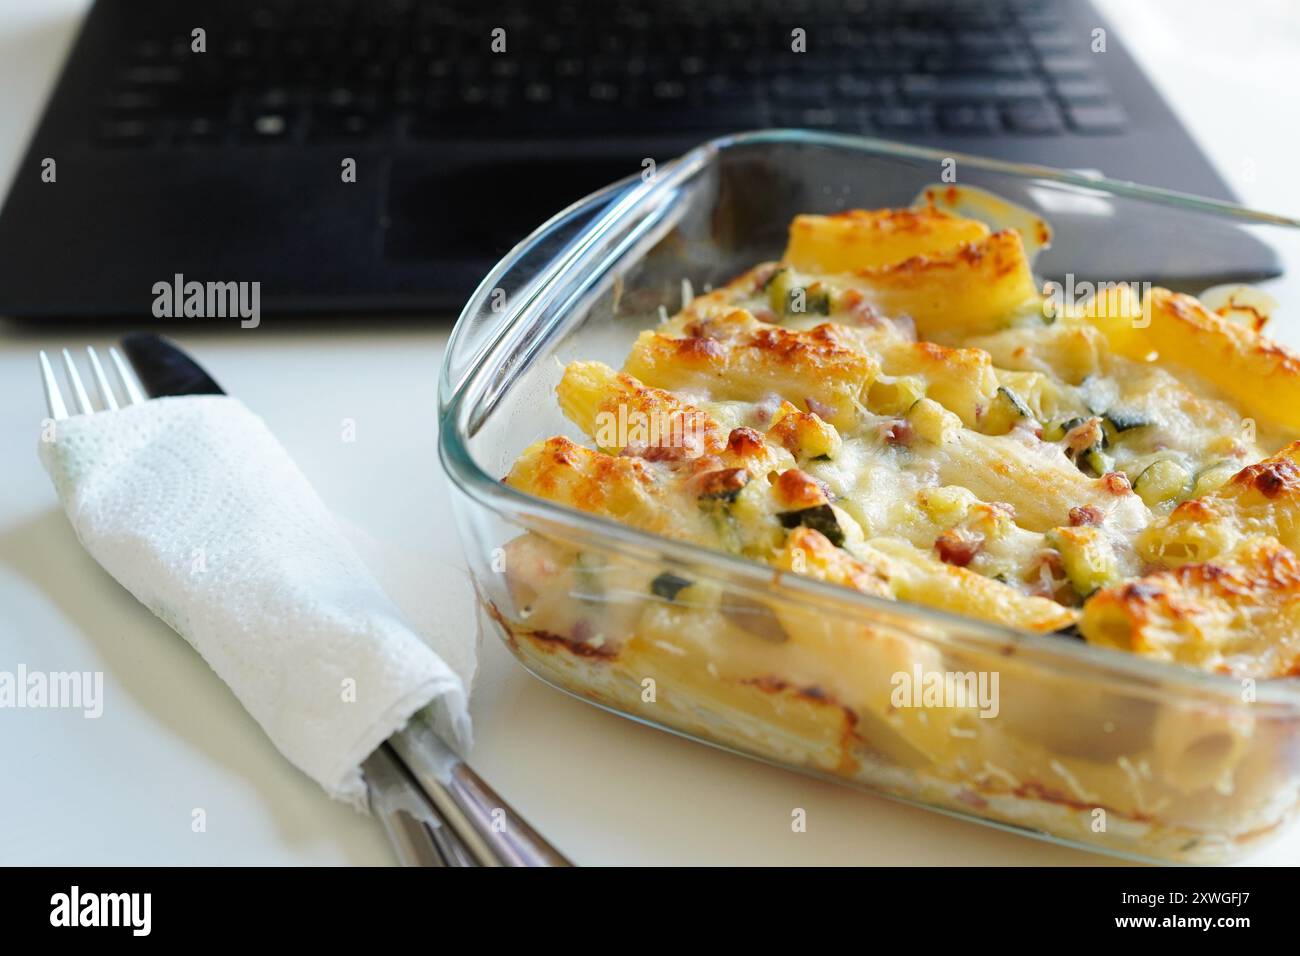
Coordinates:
[818,518]
[1006,409]
[1017,403]
[1095,462]
[946,505]
[1213,477]
[668,585]
[932,421]
[1090,459]
[742,522]
[1088,558]
[1162,480]
[894,396]
[805,301]
[787,296]
[718,510]
[1055,431]
[778,290]
[1122,420]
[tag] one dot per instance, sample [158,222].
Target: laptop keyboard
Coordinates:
[355,71]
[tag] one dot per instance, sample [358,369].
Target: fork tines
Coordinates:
[128,391]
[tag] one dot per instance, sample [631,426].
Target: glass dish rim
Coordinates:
[467,476]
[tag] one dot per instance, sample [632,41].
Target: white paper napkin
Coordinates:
[196,509]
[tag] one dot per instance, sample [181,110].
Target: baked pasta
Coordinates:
[896,408]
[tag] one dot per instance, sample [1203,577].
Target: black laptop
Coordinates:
[212,139]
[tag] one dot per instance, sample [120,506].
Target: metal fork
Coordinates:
[434,809]
[415,828]
[132,394]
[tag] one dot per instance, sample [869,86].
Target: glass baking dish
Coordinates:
[1067,741]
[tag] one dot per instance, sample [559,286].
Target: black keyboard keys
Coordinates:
[341,70]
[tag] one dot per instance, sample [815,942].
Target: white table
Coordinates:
[122,789]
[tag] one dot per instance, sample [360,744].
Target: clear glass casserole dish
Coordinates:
[1071,742]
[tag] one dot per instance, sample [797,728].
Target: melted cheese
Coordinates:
[1010,463]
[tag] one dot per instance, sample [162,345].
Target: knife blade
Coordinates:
[165,369]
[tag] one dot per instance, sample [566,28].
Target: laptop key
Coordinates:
[272,99]
[269,127]
[1039,117]
[912,38]
[903,119]
[331,125]
[817,118]
[923,87]
[984,43]
[799,90]
[590,66]
[1064,64]
[159,74]
[886,64]
[126,132]
[243,48]
[1101,119]
[857,88]
[539,93]
[965,119]
[1056,41]
[147,49]
[1040,21]
[697,119]
[1010,64]
[1082,91]
[449,124]
[133,100]
[668,91]
[198,129]
[604,93]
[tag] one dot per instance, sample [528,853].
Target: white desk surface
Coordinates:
[121,789]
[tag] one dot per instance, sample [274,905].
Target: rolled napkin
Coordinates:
[196,509]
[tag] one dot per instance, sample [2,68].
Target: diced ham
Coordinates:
[1116,483]
[1086,515]
[820,409]
[897,432]
[958,547]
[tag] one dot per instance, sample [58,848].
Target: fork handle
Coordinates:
[488,827]
[418,833]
